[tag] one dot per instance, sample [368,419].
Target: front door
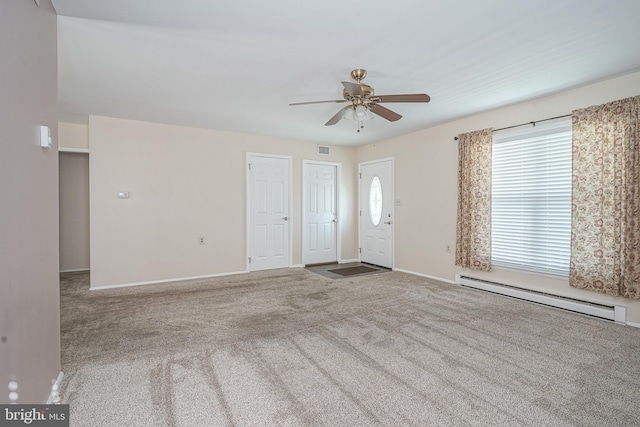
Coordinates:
[320,214]
[269,212]
[376,213]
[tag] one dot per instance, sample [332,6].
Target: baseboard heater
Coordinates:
[609,312]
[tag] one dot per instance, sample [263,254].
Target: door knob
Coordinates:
[286,218]
[387,222]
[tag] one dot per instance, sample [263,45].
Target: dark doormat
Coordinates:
[350,271]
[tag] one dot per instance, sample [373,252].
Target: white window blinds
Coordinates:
[531,198]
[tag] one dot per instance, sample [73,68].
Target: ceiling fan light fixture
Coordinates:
[358,114]
[369,115]
[349,115]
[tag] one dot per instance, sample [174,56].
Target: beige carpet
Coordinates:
[290,347]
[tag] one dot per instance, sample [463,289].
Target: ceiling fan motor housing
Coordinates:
[367,92]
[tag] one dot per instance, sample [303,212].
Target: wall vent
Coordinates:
[609,312]
[324,149]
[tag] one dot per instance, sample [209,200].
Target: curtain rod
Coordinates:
[524,124]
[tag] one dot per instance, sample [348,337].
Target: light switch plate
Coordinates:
[45,136]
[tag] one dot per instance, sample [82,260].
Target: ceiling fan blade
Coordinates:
[385,113]
[335,119]
[354,89]
[318,102]
[415,97]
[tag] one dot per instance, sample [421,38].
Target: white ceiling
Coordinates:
[236,64]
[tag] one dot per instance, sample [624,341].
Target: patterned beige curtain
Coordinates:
[605,235]
[473,241]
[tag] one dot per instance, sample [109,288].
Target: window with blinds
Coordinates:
[531,199]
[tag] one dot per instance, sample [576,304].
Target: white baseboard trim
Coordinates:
[634,324]
[177,279]
[297,266]
[55,387]
[347,261]
[73,150]
[401,270]
[73,270]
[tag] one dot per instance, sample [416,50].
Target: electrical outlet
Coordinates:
[448,249]
[201,240]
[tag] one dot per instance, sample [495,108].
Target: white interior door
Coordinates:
[320,213]
[269,188]
[376,213]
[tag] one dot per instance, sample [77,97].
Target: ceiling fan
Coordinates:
[363,101]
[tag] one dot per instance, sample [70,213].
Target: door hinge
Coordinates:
[360,175]
[249,166]
[360,213]
[249,260]
[360,250]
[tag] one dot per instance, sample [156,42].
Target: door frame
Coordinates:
[248,204]
[304,204]
[393,208]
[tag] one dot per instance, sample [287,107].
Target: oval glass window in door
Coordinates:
[375,200]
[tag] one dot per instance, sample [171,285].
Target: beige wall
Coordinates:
[426,165]
[185,183]
[73,135]
[29,284]
[74,211]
